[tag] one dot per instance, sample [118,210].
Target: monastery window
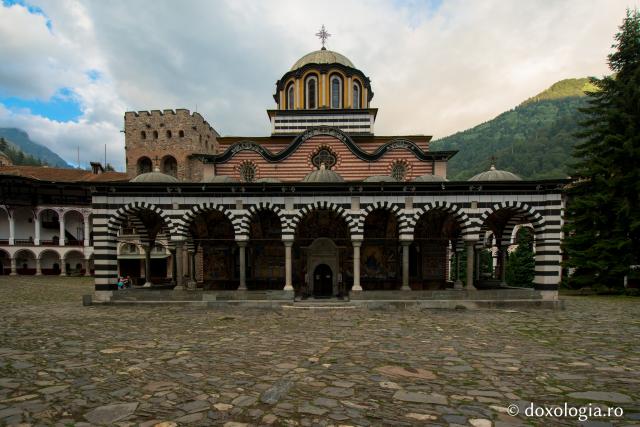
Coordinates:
[312,92]
[130,248]
[155,134]
[144,165]
[143,135]
[290,97]
[170,165]
[399,171]
[324,157]
[181,134]
[248,172]
[336,92]
[356,95]
[169,135]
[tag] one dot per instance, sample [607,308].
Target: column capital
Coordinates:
[405,238]
[287,243]
[242,243]
[356,243]
[406,242]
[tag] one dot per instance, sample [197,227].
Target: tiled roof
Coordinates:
[41,173]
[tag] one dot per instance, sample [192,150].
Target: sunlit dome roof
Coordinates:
[220,178]
[322,56]
[323,175]
[494,174]
[430,178]
[379,178]
[155,176]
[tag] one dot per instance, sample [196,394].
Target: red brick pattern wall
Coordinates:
[298,164]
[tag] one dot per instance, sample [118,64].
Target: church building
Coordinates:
[321,207]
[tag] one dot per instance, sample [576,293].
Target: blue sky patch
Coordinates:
[94,75]
[35,10]
[62,107]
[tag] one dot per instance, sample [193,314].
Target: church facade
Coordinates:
[321,207]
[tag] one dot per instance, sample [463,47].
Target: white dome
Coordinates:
[323,175]
[155,176]
[494,174]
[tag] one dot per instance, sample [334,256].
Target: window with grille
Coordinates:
[399,171]
[248,172]
[324,156]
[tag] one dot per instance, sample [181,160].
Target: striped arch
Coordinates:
[511,232]
[123,212]
[466,226]
[533,216]
[191,214]
[393,208]
[254,210]
[351,223]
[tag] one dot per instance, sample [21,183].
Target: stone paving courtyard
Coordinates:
[65,364]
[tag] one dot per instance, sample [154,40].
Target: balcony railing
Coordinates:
[23,242]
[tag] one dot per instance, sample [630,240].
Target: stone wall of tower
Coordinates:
[158,134]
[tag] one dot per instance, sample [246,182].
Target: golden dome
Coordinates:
[322,56]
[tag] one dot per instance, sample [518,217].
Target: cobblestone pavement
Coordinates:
[65,364]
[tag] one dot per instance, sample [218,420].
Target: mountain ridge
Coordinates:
[20,139]
[534,139]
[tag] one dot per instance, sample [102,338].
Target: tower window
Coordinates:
[155,134]
[143,135]
[144,165]
[312,92]
[169,135]
[170,166]
[356,95]
[248,172]
[290,98]
[181,134]
[336,92]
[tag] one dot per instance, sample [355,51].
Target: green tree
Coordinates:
[521,263]
[603,213]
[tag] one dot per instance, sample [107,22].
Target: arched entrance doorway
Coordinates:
[322,281]
[322,237]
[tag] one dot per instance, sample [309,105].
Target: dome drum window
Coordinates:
[311,93]
[356,95]
[290,97]
[336,92]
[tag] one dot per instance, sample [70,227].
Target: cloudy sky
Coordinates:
[71,68]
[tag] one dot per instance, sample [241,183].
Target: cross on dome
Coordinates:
[323,35]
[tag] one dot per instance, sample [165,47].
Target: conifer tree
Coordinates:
[603,214]
[521,264]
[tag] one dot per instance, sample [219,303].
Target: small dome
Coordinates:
[323,175]
[220,179]
[494,174]
[155,176]
[322,56]
[380,178]
[268,180]
[430,178]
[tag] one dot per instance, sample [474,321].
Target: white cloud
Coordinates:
[433,72]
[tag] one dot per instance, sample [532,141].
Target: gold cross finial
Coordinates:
[323,35]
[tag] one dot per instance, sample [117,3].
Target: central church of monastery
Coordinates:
[321,207]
